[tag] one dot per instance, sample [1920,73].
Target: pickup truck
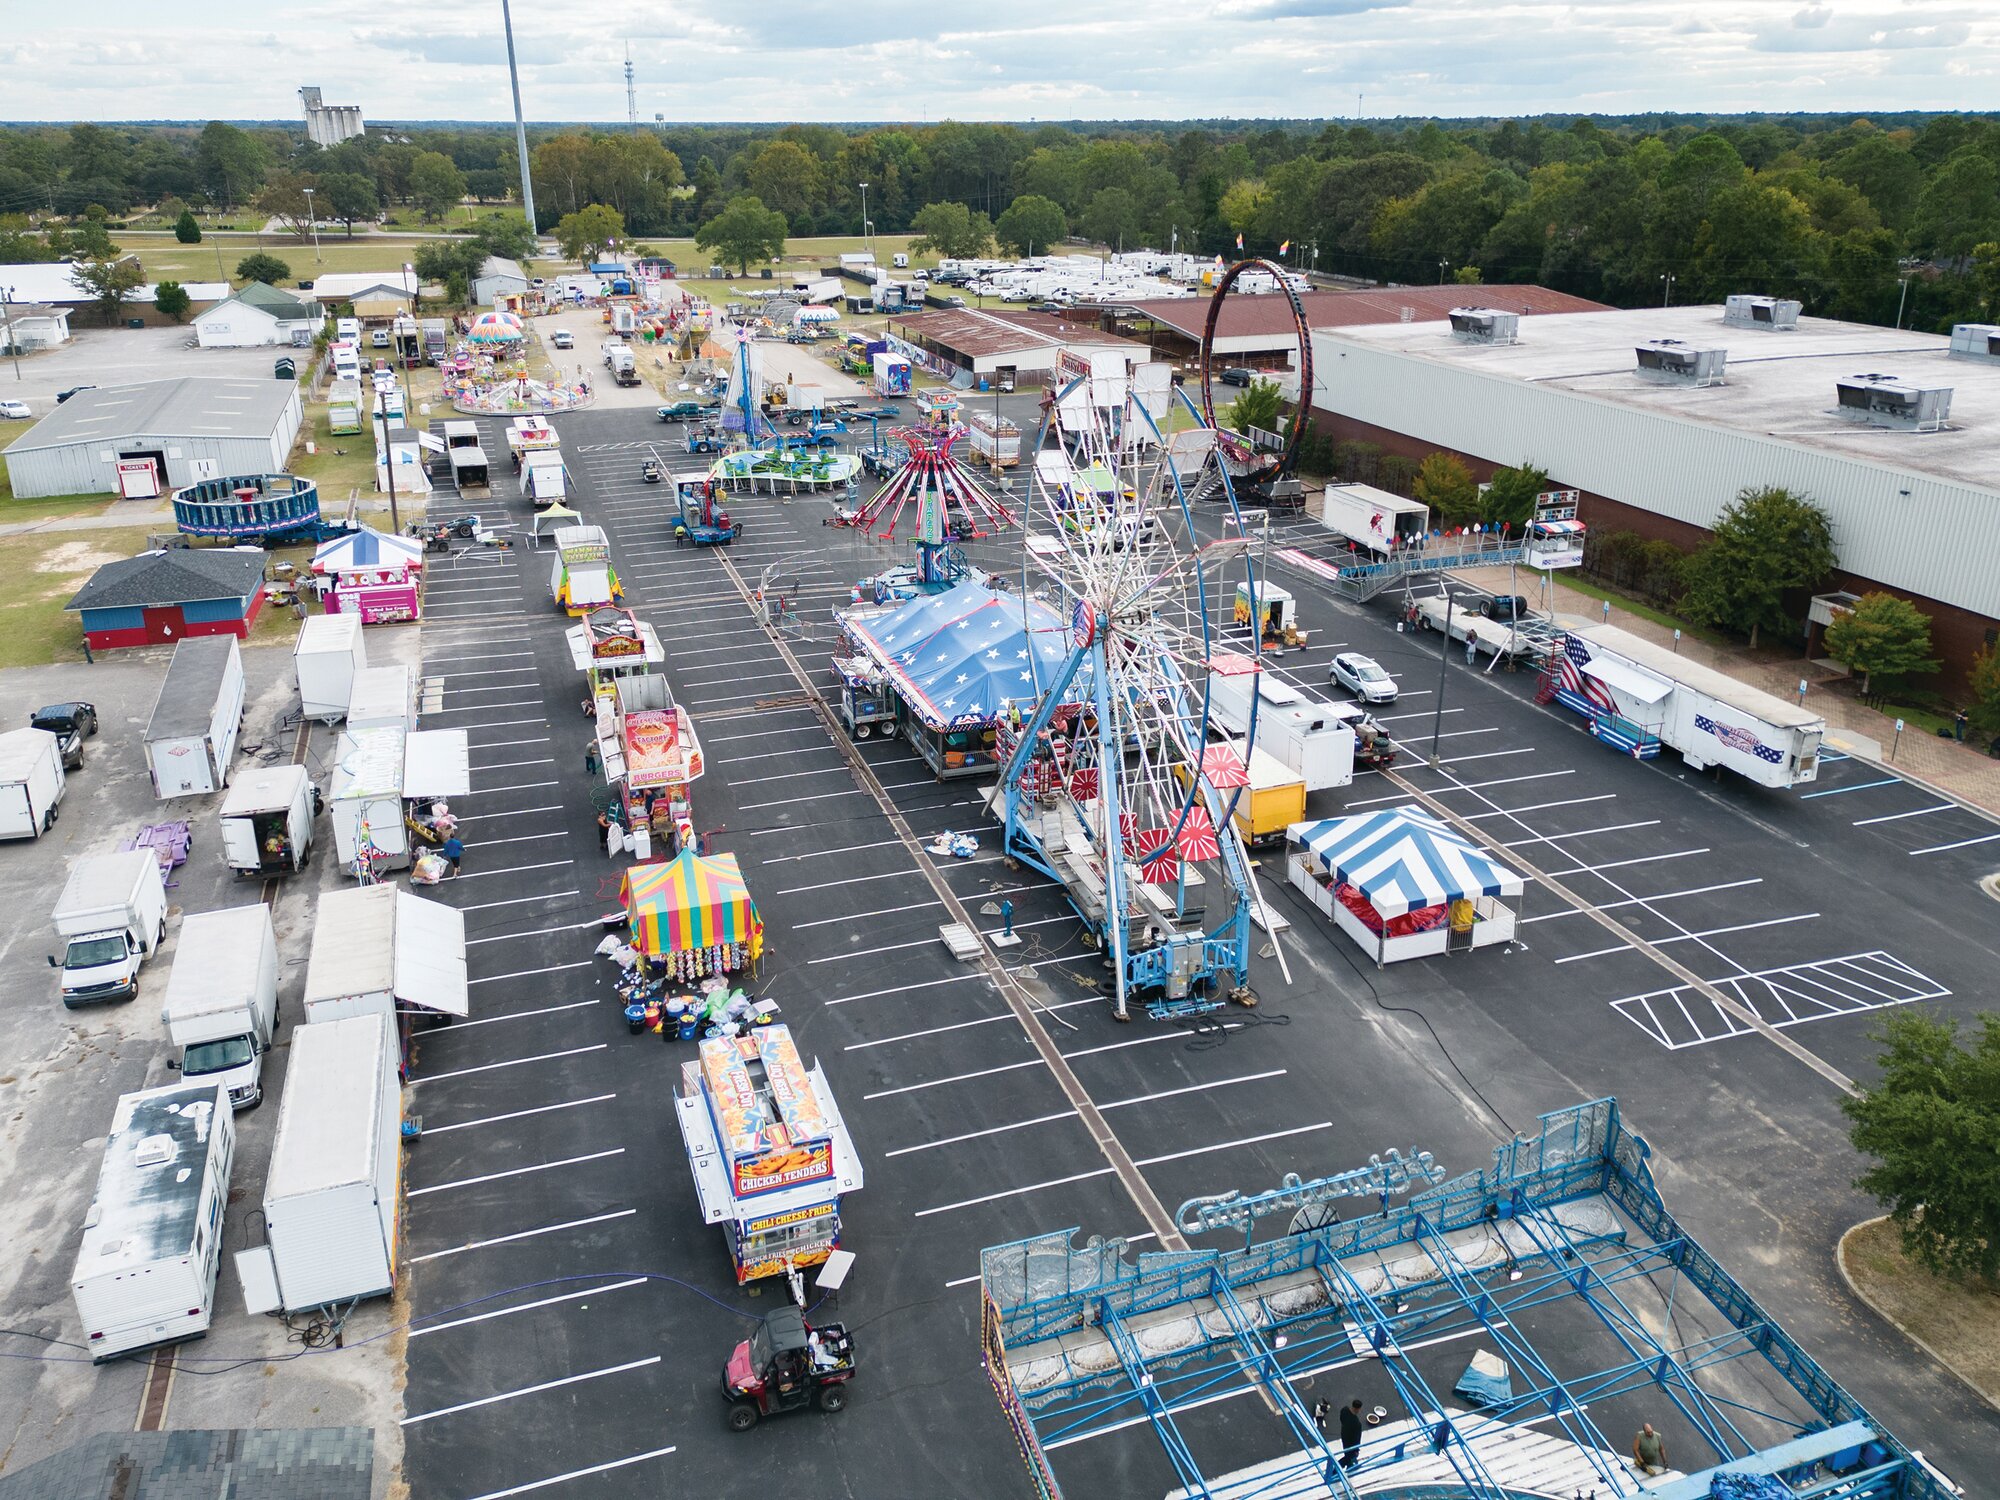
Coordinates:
[683,411]
[71,724]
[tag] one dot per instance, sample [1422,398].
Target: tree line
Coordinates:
[1856,218]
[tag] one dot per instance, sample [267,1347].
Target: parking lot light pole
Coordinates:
[1444,664]
[313,219]
[7,320]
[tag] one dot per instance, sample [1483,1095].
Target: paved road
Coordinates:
[577,1312]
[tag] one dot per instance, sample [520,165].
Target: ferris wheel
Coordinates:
[1115,786]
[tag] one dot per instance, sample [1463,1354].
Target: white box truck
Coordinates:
[329,652]
[113,911]
[1370,518]
[222,1000]
[192,736]
[1312,738]
[145,1273]
[365,799]
[330,1196]
[31,782]
[383,697]
[379,951]
[267,821]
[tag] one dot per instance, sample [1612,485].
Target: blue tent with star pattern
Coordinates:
[961,657]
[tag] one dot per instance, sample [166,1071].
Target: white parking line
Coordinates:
[903,989]
[974,1135]
[438,661]
[1898,817]
[490,672]
[526,1234]
[508,937]
[789,801]
[1508,812]
[1984,838]
[880,911]
[793,775]
[834,958]
[525,973]
[539,739]
[513,765]
[1620,864]
[513,1015]
[518,900]
[546,1166]
[915,1088]
[1700,890]
[518,1114]
[529,1390]
[512,1062]
[1581,833]
[550,864]
[737,760]
[521,786]
[540,1302]
[1684,937]
[516,838]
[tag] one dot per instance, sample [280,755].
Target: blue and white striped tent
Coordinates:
[1403,859]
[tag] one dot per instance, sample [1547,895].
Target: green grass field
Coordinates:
[167,259]
[46,571]
[405,216]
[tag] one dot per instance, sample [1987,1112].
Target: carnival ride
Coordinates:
[1124,800]
[269,508]
[947,504]
[1256,475]
[1588,1307]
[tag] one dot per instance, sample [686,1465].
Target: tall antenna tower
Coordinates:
[631,95]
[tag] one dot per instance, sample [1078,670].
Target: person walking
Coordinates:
[1350,1434]
[1958,723]
[1322,1409]
[1649,1451]
[453,852]
[590,761]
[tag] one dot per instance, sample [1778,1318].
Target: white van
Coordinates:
[347,328]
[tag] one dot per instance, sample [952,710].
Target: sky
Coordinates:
[843,60]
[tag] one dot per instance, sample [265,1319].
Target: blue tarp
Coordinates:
[959,658]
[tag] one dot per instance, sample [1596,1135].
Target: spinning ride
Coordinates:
[1124,799]
[947,504]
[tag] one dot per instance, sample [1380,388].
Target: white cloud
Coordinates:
[1051,59]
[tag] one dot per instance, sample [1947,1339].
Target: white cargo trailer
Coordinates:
[330,1196]
[1312,738]
[380,951]
[221,1008]
[113,912]
[383,697]
[145,1274]
[1370,518]
[31,782]
[329,652]
[365,799]
[1638,697]
[192,737]
[267,821]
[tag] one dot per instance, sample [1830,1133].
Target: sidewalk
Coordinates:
[1852,728]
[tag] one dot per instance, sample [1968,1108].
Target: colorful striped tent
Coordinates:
[690,902]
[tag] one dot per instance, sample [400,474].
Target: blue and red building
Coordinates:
[159,598]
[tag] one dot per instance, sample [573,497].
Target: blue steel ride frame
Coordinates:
[1226,948]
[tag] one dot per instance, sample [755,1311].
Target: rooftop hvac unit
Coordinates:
[1670,360]
[1976,341]
[1885,401]
[1761,312]
[1482,325]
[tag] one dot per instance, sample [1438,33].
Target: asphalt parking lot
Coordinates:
[575,1312]
[117,356]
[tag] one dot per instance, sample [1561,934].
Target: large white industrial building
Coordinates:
[192,428]
[1661,416]
[329,124]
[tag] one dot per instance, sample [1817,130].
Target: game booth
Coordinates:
[651,756]
[768,1149]
[691,916]
[1401,883]
[372,574]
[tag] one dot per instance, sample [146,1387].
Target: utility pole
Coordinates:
[520,125]
[389,457]
[1444,665]
[7,320]
[313,219]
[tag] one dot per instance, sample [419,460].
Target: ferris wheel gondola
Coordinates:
[1113,785]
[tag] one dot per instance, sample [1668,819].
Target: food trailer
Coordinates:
[612,644]
[650,754]
[769,1152]
[582,578]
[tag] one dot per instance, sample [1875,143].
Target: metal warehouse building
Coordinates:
[191,428]
[1660,416]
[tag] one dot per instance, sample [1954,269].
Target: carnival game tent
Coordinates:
[690,902]
[376,575]
[369,551]
[1401,883]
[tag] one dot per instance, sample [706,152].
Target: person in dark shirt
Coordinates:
[453,851]
[1350,1434]
[1649,1451]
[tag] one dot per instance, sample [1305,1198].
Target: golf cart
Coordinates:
[787,1365]
[650,471]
